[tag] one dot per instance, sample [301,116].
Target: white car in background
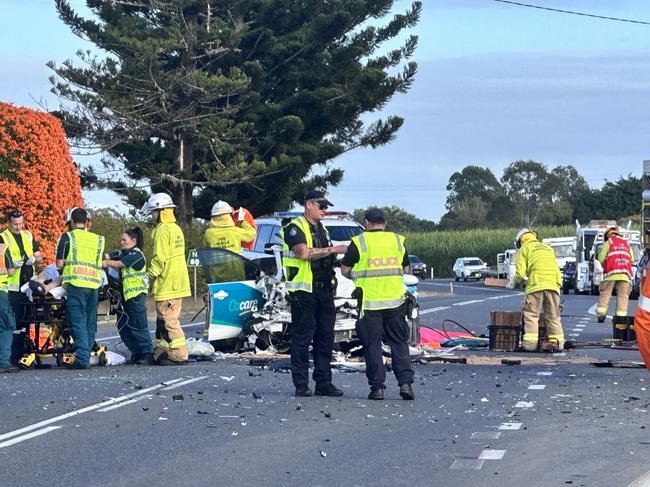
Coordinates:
[466,268]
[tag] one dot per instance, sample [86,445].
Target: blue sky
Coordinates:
[496,83]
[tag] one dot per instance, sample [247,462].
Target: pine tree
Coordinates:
[231,99]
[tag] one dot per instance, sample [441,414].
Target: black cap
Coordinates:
[318,197]
[375,215]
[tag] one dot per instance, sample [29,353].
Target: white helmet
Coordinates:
[520,234]
[221,208]
[158,201]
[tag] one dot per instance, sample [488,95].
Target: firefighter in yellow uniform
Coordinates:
[222,232]
[377,260]
[616,258]
[79,252]
[537,263]
[171,281]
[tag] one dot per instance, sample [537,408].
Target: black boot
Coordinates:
[376,394]
[406,391]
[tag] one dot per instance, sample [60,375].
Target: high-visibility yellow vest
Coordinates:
[13,282]
[379,270]
[303,280]
[3,269]
[83,265]
[134,282]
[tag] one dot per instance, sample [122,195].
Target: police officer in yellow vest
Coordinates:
[376,260]
[171,281]
[25,252]
[537,263]
[308,259]
[79,252]
[7,320]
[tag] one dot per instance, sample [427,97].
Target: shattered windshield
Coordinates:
[221,265]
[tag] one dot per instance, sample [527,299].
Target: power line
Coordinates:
[582,14]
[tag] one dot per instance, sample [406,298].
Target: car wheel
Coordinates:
[456,278]
[464,278]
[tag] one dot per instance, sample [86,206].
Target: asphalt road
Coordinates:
[228,423]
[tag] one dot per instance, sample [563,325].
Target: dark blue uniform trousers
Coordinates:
[388,325]
[312,320]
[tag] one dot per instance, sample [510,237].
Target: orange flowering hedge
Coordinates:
[37,174]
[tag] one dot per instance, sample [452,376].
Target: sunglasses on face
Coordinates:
[14,214]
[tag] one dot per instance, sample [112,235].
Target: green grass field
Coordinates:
[439,250]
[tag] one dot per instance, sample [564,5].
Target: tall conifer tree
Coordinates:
[231,99]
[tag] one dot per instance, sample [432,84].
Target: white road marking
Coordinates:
[467,464]
[525,404]
[574,334]
[489,454]
[504,296]
[151,332]
[536,387]
[465,303]
[545,373]
[184,383]
[643,481]
[33,434]
[510,426]
[434,310]
[87,409]
[592,311]
[485,435]
[124,403]
[463,286]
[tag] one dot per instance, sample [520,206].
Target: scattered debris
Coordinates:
[510,361]
[323,453]
[178,397]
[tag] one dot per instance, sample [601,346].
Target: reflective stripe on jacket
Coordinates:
[13,281]
[379,270]
[3,269]
[537,261]
[168,266]
[83,265]
[303,278]
[134,282]
[616,257]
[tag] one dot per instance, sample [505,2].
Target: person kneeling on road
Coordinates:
[132,322]
[79,252]
[171,281]
[377,260]
[536,262]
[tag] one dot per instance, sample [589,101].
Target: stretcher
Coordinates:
[47,333]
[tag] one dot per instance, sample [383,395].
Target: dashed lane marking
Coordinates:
[490,454]
[28,436]
[536,387]
[510,426]
[525,404]
[486,435]
[467,464]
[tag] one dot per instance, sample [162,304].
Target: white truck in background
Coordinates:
[506,264]
[564,248]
